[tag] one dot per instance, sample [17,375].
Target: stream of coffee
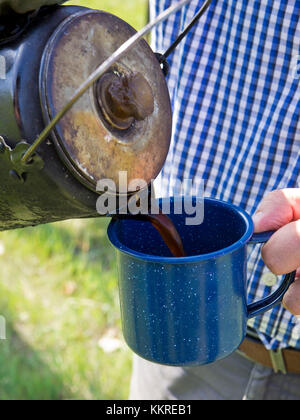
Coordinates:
[168,232]
[164,225]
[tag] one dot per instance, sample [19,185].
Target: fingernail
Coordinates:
[257,218]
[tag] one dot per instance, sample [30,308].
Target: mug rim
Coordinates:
[113,237]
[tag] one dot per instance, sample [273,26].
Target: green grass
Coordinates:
[133,11]
[58,293]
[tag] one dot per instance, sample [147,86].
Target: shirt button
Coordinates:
[269,279]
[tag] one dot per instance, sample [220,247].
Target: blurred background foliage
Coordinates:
[59,295]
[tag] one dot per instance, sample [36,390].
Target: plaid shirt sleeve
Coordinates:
[234,85]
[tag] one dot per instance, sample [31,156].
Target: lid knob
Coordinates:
[124,99]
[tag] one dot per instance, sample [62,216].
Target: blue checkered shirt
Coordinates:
[234,85]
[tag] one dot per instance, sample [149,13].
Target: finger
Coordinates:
[279,208]
[282,252]
[291,300]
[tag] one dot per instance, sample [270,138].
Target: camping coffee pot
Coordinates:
[122,123]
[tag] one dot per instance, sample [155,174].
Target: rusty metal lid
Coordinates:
[124,122]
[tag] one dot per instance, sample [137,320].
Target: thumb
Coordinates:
[278,208]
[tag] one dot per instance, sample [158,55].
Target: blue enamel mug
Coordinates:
[193,310]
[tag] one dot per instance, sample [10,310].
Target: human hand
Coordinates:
[280,211]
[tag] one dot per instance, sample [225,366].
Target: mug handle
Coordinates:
[264,305]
